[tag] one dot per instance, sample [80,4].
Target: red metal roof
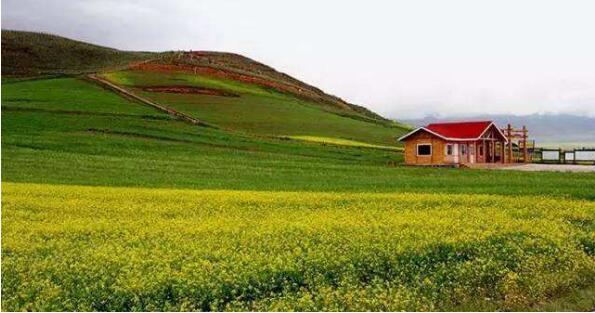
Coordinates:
[462,130]
[457,130]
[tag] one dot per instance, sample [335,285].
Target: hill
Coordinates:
[26,53]
[238,106]
[240,68]
[227,90]
[29,53]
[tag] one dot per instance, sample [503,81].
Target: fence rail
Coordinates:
[574,156]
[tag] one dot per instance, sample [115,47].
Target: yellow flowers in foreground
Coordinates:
[103,248]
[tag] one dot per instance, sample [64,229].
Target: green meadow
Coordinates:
[70,131]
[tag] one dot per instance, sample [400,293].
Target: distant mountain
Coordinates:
[546,129]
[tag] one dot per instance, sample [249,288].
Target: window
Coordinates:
[481,150]
[464,149]
[449,149]
[424,149]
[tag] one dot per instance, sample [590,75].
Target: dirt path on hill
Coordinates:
[129,94]
[182,89]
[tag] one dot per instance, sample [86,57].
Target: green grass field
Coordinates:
[71,131]
[111,205]
[257,110]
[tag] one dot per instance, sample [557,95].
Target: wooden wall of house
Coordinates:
[438,146]
[439,156]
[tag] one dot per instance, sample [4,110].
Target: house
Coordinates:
[454,144]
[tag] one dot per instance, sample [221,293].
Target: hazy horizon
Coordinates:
[401,59]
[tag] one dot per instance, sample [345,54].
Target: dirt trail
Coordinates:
[129,94]
[182,89]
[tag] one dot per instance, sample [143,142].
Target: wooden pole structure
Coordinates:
[525,148]
[502,154]
[509,134]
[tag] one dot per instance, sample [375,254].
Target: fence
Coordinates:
[576,156]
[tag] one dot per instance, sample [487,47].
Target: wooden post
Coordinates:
[502,157]
[525,149]
[488,152]
[509,134]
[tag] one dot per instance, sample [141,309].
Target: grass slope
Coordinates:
[30,54]
[257,110]
[245,69]
[37,54]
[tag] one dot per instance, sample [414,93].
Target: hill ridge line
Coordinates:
[127,93]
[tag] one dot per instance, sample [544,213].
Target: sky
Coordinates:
[402,59]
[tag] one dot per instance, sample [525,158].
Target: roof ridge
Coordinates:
[461,122]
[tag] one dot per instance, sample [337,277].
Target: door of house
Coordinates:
[490,158]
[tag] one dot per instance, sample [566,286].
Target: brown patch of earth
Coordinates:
[190,90]
[220,73]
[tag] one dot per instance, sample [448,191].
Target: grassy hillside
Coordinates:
[49,125]
[251,108]
[237,67]
[28,53]
[227,90]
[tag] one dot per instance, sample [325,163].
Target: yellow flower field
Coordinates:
[108,248]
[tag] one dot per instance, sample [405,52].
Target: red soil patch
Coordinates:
[190,90]
[219,73]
